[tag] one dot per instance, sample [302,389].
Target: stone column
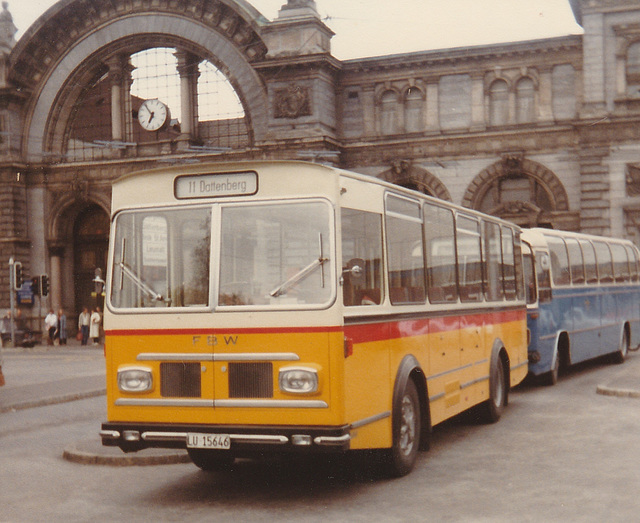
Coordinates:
[56,253]
[189,74]
[116,78]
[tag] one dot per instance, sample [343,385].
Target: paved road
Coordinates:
[46,375]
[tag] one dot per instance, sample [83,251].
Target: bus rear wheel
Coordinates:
[402,456]
[621,355]
[498,392]
[211,460]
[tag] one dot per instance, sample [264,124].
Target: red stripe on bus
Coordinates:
[211,332]
[370,332]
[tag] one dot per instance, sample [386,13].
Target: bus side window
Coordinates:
[439,236]
[576,261]
[543,276]
[529,276]
[493,262]
[404,251]
[590,264]
[605,265]
[508,264]
[559,261]
[469,259]
[620,263]
[633,262]
[362,238]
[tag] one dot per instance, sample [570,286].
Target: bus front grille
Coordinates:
[250,380]
[180,380]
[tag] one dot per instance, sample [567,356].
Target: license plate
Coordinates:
[196,440]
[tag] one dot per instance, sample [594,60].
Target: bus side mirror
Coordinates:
[356,271]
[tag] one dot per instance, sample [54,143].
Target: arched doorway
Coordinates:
[523,192]
[90,245]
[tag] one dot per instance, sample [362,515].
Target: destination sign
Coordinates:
[216,185]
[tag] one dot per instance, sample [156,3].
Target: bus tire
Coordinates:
[211,460]
[621,354]
[492,409]
[551,377]
[406,419]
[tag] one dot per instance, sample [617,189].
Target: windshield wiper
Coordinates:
[139,282]
[301,274]
[144,287]
[297,277]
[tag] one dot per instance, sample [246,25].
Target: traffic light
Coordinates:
[35,285]
[44,285]
[18,278]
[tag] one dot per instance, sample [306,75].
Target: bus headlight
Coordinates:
[135,379]
[298,380]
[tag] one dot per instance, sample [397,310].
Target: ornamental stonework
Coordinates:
[293,101]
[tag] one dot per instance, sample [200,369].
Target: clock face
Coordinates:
[153,115]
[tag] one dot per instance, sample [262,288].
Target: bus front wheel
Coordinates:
[401,457]
[211,460]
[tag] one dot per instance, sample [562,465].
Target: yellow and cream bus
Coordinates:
[293,307]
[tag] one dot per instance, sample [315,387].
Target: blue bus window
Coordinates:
[590,264]
[559,261]
[633,262]
[605,266]
[576,261]
[620,263]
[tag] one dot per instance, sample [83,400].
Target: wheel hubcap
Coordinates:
[408,426]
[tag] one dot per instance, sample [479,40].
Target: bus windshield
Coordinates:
[161,258]
[275,255]
[270,255]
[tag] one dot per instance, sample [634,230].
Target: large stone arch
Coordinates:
[414,177]
[59,45]
[526,213]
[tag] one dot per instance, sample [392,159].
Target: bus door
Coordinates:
[444,321]
[471,290]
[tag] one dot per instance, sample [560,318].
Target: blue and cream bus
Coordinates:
[583,295]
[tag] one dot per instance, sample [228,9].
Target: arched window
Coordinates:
[389,113]
[413,110]
[633,70]
[216,119]
[513,189]
[499,103]
[525,101]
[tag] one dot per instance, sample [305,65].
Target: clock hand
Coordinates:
[151,117]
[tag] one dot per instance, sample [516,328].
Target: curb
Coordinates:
[618,392]
[66,398]
[91,452]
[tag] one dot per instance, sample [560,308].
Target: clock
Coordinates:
[153,115]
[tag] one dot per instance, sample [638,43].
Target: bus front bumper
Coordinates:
[132,437]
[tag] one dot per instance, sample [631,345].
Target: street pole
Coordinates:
[12,294]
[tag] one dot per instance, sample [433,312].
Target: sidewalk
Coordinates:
[47,375]
[626,382]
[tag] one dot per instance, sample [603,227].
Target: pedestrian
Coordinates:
[94,328]
[51,324]
[83,325]
[62,327]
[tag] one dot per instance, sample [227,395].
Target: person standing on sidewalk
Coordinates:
[94,329]
[62,327]
[83,325]
[51,324]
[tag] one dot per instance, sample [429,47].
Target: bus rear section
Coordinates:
[587,300]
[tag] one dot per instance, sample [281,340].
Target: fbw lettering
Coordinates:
[213,341]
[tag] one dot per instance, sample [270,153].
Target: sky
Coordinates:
[382,27]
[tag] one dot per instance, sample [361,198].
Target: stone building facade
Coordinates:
[542,132]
